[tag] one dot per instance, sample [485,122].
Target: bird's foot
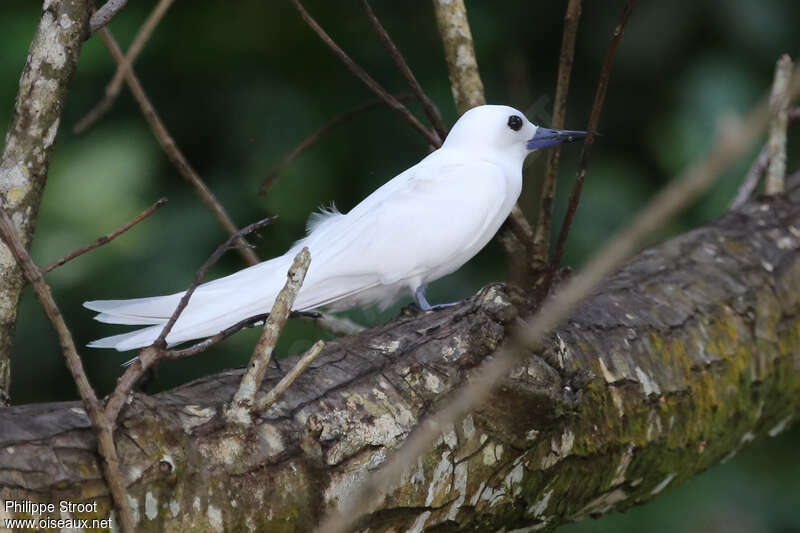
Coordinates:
[422,302]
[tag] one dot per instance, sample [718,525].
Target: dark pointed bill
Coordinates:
[545,137]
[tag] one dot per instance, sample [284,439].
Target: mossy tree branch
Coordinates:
[686,355]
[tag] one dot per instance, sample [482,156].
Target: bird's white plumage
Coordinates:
[423,224]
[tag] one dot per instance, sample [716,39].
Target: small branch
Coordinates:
[205,344]
[594,121]
[148,356]
[759,166]
[104,239]
[459,52]
[242,403]
[540,250]
[361,74]
[678,194]
[173,152]
[160,342]
[102,426]
[103,16]
[266,401]
[427,105]
[318,135]
[346,327]
[776,146]
[114,87]
[751,181]
[519,225]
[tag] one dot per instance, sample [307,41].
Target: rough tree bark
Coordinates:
[52,59]
[687,354]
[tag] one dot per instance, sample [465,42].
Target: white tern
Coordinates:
[418,227]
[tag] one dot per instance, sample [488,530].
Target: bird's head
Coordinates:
[502,131]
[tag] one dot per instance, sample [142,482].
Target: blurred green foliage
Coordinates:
[240,83]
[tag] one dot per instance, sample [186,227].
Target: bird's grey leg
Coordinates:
[422,302]
[419,298]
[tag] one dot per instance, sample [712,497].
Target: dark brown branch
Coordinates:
[102,425]
[361,74]
[148,356]
[540,250]
[103,16]
[105,238]
[427,105]
[205,344]
[519,225]
[173,152]
[318,135]
[241,406]
[114,87]
[594,121]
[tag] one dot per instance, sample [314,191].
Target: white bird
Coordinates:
[418,227]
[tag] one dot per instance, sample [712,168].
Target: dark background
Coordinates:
[240,83]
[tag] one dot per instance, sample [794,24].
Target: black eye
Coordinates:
[515,122]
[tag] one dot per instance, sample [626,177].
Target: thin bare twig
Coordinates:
[677,195]
[751,180]
[427,105]
[318,135]
[160,342]
[361,74]
[102,425]
[594,121]
[103,16]
[540,249]
[758,167]
[776,145]
[148,356]
[241,406]
[205,344]
[115,85]
[266,401]
[105,238]
[173,152]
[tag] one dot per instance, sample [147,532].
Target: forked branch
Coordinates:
[241,406]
